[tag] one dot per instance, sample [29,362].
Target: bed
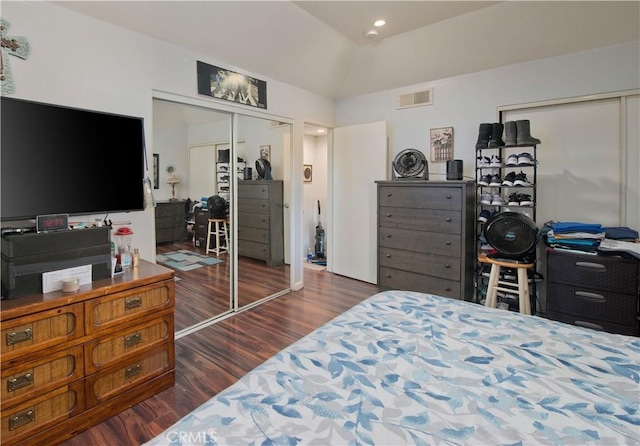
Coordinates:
[411,368]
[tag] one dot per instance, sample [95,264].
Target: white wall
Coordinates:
[81,62]
[466,101]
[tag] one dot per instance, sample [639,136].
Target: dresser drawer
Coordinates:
[253,234]
[106,351]
[418,241]
[445,198]
[128,374]
[260,221]
[603,273]
[449,222]
[53,370]
[113,310]
[168,210]
[593,324]
[37,414]
[606,306]
[253,190]
[253,249]
[432,265]
[403,280]
[253,206]
[25,335]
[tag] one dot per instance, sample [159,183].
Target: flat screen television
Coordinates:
[63,160]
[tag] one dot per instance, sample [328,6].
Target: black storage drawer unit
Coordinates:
[26,256]
[593,291]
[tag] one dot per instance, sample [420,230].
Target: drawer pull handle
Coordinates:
[132,370]
[22,418]
[588,325]
[388,276]
[19,382]
[593,297]
[389,194]
[388,256]
[133,302]
[596,267]
[447,289]
[19,336]
[389,215]
[131,340]
[448,197]
[448,220]
[388,235]
[447,265]
[448,242]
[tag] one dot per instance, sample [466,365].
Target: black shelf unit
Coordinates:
[504,191]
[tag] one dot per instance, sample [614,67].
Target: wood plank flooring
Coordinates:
[215,357]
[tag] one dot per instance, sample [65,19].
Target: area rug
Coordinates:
[185,260]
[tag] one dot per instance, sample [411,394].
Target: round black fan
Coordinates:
[263,167]
[513,235]
[410,163]
[218,206]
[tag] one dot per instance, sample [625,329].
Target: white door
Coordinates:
[359,158]
[202,171]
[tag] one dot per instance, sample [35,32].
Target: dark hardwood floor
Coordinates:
[215,357]
[204,292]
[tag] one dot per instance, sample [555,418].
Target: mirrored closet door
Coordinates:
[222,158]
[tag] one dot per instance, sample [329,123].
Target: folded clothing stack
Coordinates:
[575,236]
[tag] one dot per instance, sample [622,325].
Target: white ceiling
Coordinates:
[320,45]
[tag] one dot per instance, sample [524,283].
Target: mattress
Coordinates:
[411,368]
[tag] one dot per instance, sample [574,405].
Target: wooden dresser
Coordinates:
[73,360]
[426,236]
[598,292]
[171,225]
[260,221]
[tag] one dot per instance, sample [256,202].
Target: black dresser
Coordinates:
[598,292]
[171,225]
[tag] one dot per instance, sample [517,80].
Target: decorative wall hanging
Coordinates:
[441,144]
[231,86]
[156,171]
[307,173]
[17,46]
[265,152]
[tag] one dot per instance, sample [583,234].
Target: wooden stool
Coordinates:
[219,228]
[495,284]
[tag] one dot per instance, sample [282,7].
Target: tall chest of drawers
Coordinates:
[261,221]
[598,292]
[425,236]
[73,360]
[171,223]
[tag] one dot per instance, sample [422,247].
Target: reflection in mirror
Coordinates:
[193,140]
[262,195]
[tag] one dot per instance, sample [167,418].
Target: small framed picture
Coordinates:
[156,171]
[441,140]
[265,152]
[307,173]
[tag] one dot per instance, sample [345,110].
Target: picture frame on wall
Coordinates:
[441,143]
[156,171]
[221,83]
[265,152]
[307,173]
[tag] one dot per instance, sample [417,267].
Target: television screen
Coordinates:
[57,160]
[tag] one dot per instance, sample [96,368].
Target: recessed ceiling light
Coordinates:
[371,33]
[379,23]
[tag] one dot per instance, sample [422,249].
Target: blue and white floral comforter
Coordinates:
[410,368]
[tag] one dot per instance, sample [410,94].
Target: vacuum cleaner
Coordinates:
[319,258]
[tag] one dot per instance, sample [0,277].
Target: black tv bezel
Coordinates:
[140,195]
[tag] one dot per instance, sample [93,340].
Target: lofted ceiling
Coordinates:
[320,46]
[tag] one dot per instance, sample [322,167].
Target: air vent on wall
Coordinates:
[415,99]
